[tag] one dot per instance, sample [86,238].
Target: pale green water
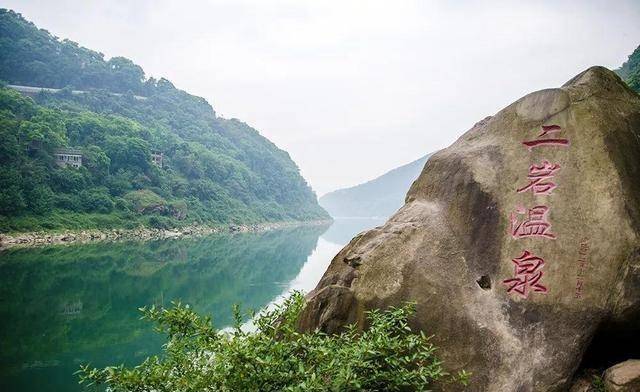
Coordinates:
[64,306]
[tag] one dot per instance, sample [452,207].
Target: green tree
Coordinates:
[96,161]
[125,75]
[96,200]
[11,192]
[68,180]
[630,70]
[38,197]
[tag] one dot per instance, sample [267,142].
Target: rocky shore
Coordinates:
[139,234]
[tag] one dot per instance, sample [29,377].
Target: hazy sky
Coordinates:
[352,89]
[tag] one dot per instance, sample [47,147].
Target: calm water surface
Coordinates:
[63,306]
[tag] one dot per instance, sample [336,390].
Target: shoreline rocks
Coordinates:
[623,377]
[31,239]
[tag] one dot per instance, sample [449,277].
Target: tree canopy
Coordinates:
[630,70]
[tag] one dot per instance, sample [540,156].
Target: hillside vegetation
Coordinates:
[630,70]
[214,170]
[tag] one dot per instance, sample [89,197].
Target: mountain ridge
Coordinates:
[379,197]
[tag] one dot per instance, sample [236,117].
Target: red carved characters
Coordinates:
[528,267]
[552,141]
[539,176]
[535,225]
[527,275]
[582,267]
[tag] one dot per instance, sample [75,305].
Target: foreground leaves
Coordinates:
[388,356]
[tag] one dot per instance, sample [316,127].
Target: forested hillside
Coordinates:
[630,70]
[213,170]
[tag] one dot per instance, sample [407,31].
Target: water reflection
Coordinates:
[63,306]
[329,244]
[344,229]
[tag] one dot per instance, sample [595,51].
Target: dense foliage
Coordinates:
[33,57]
[630,70]
[215,170]
[387,356]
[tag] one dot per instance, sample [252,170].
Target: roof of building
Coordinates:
[68,151]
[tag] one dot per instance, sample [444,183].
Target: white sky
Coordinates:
[352,89]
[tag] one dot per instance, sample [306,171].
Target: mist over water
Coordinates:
[69,305]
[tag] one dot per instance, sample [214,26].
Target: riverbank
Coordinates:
[42,238]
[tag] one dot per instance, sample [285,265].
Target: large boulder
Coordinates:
[518,242]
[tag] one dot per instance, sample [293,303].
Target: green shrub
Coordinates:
[144,200]
[276,357]
[96,200]
[159,222]
[39,199]
[67,201]
[178,209]
[121,204]
[597,383]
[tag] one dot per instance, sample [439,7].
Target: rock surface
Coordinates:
[589,380]
[581,385]
[518,321]
[623,377]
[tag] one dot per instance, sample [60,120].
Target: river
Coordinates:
[63,306]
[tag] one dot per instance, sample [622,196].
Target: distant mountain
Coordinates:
[379,197]
[143,151]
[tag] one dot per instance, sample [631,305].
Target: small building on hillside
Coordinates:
[156,158]
[68,157]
